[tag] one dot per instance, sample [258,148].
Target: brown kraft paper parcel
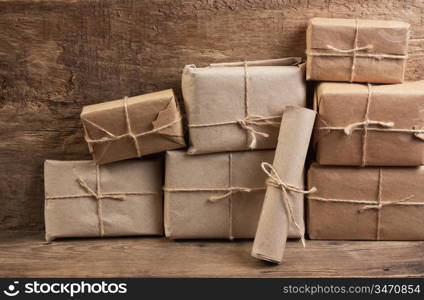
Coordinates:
[282,211]
[214,196]
[356,50]
[374,125]
[370,203]
[239,105]
[83,199]
[133,127]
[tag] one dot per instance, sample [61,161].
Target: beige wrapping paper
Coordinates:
[238,106]
[356,50]
[133,127]
[282,211]
[370,125]
[370,203]
[214,196]
[83,199]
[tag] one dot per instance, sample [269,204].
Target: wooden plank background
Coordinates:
[56,56]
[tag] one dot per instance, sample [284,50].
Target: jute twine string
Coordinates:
[275,180]
[364,126]
[354,52]
[98,196]
[249,121]
[377,205]
[130,133]
[229,192]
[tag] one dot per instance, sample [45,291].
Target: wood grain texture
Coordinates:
[56,56]
[26,255]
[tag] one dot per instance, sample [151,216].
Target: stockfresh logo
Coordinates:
[12,289]
[65,288]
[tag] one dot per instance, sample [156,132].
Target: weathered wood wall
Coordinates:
[56,56]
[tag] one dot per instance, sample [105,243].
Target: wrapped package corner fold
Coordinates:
[214,196]
[370,125]
[283,209]
[83,199]
[238,106]
[355,50]
[371,203]
[133,127]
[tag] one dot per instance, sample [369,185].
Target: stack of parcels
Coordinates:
[369,139]
[230,107]
[109,196]
[217,188]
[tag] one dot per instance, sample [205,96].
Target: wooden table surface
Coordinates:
[25,254]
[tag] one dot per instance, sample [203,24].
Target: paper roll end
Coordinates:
[266,258]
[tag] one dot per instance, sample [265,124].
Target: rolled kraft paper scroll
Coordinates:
[233,105]
[356,50]
[282,211]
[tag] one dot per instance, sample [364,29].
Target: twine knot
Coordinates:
[249,121]
[351,127]
[97,195]
[381,204]
[367,48]
[275,180]
[231,190]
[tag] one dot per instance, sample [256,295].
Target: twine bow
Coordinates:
[275,180]
[129,134]
[351,127]
[248,122]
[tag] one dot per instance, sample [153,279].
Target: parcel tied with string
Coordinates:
[356,50]
[132,127]
[83,199]
[214,196]
[375,125]
[372,203]
[238,106]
